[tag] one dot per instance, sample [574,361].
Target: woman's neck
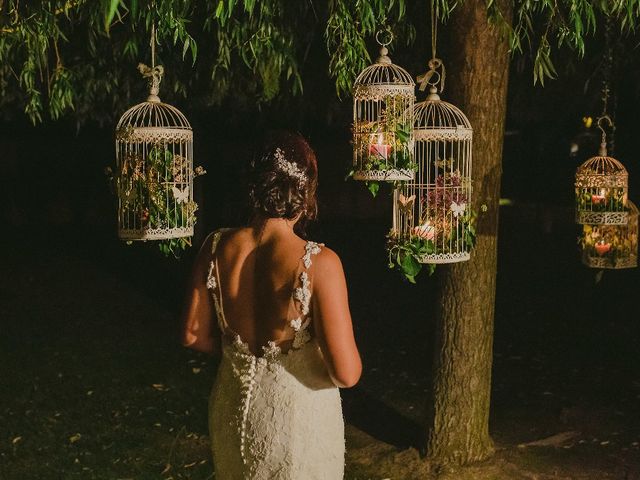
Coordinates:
[270,228]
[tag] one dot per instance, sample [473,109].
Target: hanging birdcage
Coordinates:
[611,246]
[601,189]
[383,98]
[154,169]
[432,215]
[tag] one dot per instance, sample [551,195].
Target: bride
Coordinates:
[275,308]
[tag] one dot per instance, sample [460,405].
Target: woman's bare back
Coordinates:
[258,272]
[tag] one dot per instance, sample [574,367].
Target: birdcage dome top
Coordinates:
[383,78]
[435,118]
[602,171]
[153,121]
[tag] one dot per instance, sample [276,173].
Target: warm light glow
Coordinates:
[380,147]
[602,247]
[596,199]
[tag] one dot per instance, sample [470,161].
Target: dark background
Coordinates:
[567,342]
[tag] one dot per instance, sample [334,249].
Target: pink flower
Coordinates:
[425,231]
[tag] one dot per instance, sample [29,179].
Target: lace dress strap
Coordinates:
[302,295]
[213,284]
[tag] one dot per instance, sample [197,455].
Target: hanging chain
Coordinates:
[435,76]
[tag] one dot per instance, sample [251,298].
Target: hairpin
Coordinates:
[290,168]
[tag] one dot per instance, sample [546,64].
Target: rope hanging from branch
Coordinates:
[155,72]
[435,76]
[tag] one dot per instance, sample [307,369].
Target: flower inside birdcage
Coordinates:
[383,99]
[157,192]
[446,213]
[388,141]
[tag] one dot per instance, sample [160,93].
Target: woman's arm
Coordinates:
[332,320]
[198,328]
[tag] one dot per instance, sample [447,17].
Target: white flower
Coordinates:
[290,168]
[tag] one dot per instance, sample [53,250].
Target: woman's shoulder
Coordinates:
[327,261]
[223,232]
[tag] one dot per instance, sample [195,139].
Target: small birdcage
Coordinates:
[383,101]
[611,246]
[602,188]
[154,169]
[432,215]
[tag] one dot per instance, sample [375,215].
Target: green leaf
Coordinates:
[373,187]
[410,266]
[185,47]
[111,13]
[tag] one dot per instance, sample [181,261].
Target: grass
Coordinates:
[95,385]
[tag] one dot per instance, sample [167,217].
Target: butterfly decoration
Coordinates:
[458,208]
[406,203]
[181,196]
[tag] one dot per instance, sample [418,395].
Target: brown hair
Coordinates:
[276,193]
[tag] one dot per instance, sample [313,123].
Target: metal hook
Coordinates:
[389,32]
[603,143]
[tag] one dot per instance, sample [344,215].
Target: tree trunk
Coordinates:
[458,417]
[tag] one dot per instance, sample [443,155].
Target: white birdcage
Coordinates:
[611,246]
[602,189]
[154,169]
[433,213]
[383,98]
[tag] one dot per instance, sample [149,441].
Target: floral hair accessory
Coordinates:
[290,168]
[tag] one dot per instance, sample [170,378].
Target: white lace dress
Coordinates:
[277,416]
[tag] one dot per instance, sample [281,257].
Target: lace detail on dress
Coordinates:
[303,293]
[259,402]
[302,334]
[211,277]
[311,248]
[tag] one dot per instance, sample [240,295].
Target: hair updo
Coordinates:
[283,179]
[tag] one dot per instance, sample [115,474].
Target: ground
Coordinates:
[96,386]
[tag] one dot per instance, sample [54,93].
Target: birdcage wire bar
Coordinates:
[601,187]
[436,205]
[382,122]
[154,173]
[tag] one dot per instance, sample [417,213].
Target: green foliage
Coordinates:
[349,25]
[148,189]
[406,255]
[43,68]
[62,55]
[568,22]
[258,38]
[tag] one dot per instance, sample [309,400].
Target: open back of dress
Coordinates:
[276,415]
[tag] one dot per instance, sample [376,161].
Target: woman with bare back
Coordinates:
[274,307]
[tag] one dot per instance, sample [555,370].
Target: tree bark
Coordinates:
[458,417]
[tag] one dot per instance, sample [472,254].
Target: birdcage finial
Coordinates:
[384,51]
[154,74]
[603,143]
